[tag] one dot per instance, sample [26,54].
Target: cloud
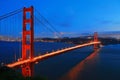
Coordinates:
[65,24]
[67,21]
[106,22]
[70,34]
[109,22]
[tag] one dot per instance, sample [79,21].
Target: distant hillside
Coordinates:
[107,34]
[110,34]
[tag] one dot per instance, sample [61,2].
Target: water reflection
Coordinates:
[76,72]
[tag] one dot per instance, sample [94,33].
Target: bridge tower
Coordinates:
[96,40]
[27,40]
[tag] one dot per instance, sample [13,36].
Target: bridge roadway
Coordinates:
[47,55]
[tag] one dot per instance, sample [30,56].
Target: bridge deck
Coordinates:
[44,56]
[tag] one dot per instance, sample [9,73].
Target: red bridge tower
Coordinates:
[96,40]
[27,41]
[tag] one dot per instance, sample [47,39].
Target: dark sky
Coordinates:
[73,16]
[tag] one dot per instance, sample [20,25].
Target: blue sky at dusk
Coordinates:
[73,16]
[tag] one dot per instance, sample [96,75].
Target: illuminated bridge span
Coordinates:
[41,57]
[28,58]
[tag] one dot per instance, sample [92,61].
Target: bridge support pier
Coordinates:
[96,46]
[27,69]
[27,41]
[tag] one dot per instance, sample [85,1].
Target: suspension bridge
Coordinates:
[28,57]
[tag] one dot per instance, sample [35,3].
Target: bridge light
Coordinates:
[36,62]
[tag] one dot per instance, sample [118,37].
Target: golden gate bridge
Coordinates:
[28,57]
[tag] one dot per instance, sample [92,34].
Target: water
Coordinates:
[80,64]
